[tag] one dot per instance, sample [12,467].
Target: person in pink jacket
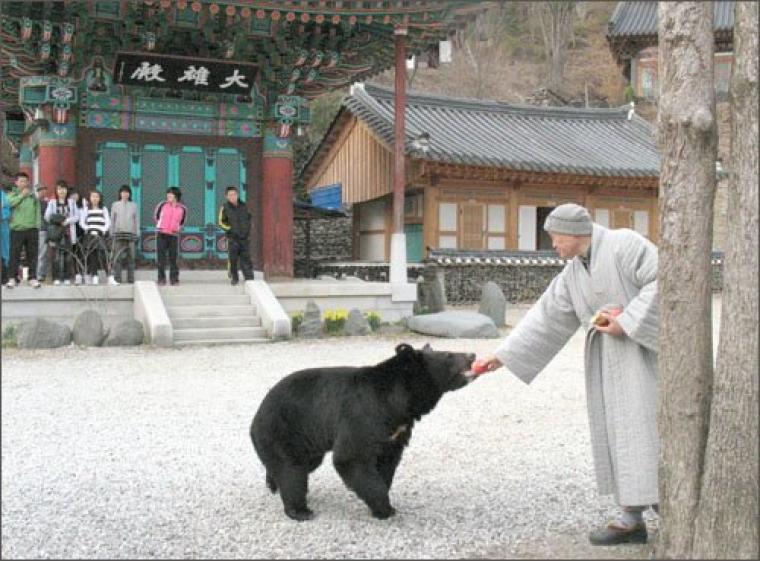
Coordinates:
[169,217]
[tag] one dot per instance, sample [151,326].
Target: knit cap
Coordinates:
[570,219]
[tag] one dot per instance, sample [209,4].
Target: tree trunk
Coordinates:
[728,509]
[688,143]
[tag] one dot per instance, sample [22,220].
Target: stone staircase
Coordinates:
[206,313]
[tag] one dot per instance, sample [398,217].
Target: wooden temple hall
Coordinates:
[197,93]
[483,175]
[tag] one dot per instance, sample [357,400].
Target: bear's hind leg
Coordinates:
[293,481]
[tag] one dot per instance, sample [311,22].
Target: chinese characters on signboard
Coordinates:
[179,73]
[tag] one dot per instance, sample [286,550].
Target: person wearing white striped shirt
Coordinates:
[96,223]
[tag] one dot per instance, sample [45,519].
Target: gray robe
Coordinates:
[621,372]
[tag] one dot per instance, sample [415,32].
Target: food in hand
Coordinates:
[476,369]
[601,321]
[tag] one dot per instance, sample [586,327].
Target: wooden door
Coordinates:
[472,225]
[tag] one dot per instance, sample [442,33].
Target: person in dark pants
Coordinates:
[24,225]
[235,220]
[170,217]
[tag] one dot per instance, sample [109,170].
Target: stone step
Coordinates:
[212,322]
[209,311]
[202,288]
[219,334]
[172,300]
[213,342]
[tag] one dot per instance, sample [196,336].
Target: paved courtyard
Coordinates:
[115,453]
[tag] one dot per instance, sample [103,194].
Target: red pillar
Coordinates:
[398,269]
[277,207]
[56,154]
[57,162]
[399,178]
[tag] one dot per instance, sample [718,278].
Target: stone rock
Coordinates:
[125,334]
[356,324]
[327,278]
[454,323]
[40,333]
[430,297]
[88,329]
[493,303]
[311,326]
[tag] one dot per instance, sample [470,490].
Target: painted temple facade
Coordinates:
[197,94]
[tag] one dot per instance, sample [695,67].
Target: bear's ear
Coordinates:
[427,347]
[403,348]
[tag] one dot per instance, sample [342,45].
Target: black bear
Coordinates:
[364,415]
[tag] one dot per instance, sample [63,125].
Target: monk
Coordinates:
[609,289]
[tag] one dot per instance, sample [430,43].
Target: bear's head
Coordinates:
[449,371]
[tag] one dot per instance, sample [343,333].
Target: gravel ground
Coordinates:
[145,453]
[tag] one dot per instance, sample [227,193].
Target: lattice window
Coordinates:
[227,173]
[193,184]
[154,182]
[115,162]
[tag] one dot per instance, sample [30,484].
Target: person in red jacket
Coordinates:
[169,217]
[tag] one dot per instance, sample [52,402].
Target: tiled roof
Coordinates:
[640,18]
[582,141]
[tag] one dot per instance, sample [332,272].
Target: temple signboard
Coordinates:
[184,73]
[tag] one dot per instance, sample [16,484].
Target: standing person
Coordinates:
[169,216]
[618,266]
[5,232]
[24,226]
[96,223]
[62,216]
[77,244]
[235,220]
[43,256]
[124,231]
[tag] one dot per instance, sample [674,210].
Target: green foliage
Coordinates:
[629,93]
[9,336]
[335,320]
[296,319]
[373,318]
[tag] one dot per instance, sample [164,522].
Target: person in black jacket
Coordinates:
[235,220]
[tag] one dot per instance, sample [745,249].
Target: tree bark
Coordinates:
[728,509]
[688,143]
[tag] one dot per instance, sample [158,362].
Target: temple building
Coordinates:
[197,94]
[483,175]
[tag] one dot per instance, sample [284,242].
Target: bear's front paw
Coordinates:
[384,513]
[300,514]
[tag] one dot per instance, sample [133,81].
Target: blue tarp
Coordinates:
[328,196]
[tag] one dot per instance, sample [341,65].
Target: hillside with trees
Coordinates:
[510,53]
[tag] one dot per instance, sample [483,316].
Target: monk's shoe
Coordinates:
[615,534]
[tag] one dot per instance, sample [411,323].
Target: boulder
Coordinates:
[430,296]
[311,326]
[493,303]
[125,334]
[42,334]
[88,329]
[356,324]
[454,323]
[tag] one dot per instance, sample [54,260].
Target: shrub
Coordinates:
[9,336]
[296,319]
[373,318]
[335,320]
